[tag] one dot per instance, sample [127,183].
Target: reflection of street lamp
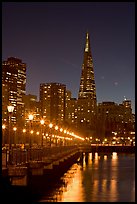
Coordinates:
[3,138]
[42,123]
[30,119]
[10,111]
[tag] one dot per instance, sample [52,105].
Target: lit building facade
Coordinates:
[71,113]
[81,112]
[87,82]
[115,118]
[13,88]
[52,101]
[86,105]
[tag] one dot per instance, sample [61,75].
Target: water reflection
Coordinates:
[98,178]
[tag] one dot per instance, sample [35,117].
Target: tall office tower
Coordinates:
[87,92]
[13,88]
[71,110]
[87,83]
[67,108]
[52,101]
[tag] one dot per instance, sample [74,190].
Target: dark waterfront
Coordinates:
[102,178]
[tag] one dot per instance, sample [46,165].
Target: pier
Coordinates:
[33,170]
[30,166]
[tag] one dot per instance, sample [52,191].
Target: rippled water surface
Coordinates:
[97,178]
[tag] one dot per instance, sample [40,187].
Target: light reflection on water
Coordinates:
[98,178]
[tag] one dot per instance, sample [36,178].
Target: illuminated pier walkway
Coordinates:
[44,151]
[30,166]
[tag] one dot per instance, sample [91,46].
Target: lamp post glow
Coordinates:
[56,128]
[24,138]
[31,132]
[42,123]
[31,117]
[50,126]
[3,135]
[15,141]
[10,111]
[3,127]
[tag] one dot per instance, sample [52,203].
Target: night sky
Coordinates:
[50,39]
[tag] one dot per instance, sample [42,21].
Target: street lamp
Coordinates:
[10,111]
[15,139]
[30,119]
[62,131]
[56,128]
[42,123]
[24,138]
[50,126]
[3,138]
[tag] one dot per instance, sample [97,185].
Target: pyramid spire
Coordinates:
[87,47]
[87,82]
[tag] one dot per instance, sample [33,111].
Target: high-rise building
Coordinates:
[13,88]
[87,93]
[71,112]
[87,82]
[52,101]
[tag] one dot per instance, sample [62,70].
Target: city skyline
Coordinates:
[56,54]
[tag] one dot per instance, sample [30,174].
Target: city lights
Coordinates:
[24,130]
[56,127]
[31,117]
[50,125]
[3,126]
[68,105]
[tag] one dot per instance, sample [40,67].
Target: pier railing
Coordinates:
[23,156]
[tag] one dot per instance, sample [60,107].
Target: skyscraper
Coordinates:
[13,88]
[52,101]
[87,93]
[87,82]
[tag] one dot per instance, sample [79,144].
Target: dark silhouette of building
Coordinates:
[31,106]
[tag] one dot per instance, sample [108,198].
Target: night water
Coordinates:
[97,178]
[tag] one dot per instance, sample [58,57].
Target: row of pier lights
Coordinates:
[47,132]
